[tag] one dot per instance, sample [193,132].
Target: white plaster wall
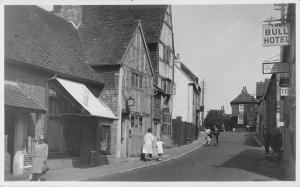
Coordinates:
[181,98]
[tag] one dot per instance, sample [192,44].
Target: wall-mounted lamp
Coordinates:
[131,101]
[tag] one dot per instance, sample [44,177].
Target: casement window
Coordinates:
[167,54]
[166,86]
[132,121]
[140,126]
[136,125]
[240,119]
[241,107]
[136,80]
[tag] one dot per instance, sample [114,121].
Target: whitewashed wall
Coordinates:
[183,99]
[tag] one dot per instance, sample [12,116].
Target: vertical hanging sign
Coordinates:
[276,34]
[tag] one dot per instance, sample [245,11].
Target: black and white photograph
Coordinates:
[132,93]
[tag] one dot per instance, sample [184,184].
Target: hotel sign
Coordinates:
[276,34]
[284,91]
[277,67]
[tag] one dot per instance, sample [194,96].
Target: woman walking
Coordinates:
[147,147]
[216,133]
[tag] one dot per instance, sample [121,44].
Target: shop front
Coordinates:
[79,125]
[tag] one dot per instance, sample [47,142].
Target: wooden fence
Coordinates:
[183,132]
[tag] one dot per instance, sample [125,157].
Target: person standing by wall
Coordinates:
[39,158]
[267,139]
[147,147]
[277,143]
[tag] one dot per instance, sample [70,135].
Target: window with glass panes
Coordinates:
[136,80]
[167,54]
[136,125]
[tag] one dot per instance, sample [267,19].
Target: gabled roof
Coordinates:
[15,97]
[151,16]
[37,37]
[105,44]
[189,73]
[244,97]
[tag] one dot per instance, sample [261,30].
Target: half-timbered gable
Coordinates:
[118,52]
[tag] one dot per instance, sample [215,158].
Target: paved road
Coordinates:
[236,158]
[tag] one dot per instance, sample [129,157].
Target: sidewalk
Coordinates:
[77,174]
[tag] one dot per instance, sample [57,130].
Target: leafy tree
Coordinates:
[214,117]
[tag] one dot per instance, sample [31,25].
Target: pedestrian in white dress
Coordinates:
[147,147]
[207,136]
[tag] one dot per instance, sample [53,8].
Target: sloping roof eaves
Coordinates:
[37,37]
[14,97]
[189,73]
[244,97]
[151,16]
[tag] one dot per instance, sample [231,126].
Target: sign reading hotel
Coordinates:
[276,35]
[284,91]
[277,67]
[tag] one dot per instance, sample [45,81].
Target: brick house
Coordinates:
[156,21]
[244,109]
[50,90]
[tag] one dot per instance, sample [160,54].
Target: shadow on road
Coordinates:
[251,141]
[252,160]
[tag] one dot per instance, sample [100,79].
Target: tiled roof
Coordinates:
[106,44]
[151,16]
[37,37]
[13,96]
[244,97]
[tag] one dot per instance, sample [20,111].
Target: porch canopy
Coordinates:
[95,106]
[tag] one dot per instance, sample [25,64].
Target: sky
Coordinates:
[223,45]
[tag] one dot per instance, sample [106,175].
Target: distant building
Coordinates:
[244,109]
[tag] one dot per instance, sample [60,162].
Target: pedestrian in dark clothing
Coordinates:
[277,143]
[40,156]
[267,138]
[216,133]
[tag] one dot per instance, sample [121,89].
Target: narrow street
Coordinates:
[237,158]
[132,91]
